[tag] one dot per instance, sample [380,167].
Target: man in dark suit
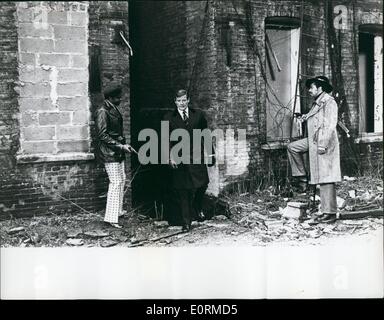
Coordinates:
[188,174]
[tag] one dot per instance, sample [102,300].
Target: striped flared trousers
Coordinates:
[116,175]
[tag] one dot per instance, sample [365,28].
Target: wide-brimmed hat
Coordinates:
[320,81]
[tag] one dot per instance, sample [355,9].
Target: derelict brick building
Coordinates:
[239,60]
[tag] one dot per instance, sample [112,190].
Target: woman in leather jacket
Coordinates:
[111,149]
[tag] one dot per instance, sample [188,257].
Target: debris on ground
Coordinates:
[361,214]
[161,224]
[253,212]
[133,240]
[75,242]
[15,230]
[74,233]
[96,233]
[352,194]
[294,210]
[220,217]
[108,243]
[253,218]
[340,202]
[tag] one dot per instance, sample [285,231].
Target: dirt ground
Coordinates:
[255,219]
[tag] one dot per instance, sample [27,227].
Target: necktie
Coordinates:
[185,117]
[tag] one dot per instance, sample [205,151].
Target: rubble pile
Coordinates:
[248,218]
[361,194]
[258,212]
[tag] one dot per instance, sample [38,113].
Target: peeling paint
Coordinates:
[52,185]
[235,152]
[4,208]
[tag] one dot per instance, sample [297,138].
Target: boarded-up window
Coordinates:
[282,51]
[371,78]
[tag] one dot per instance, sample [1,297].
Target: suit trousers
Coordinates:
[198,199]
[328,198]
[185,204]
[189,203]
[116,175]
[298,157]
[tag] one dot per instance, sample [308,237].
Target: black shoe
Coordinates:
[186,228]
[327,218]
[300,186]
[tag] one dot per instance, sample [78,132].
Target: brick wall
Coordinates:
[160,52]
[53,78]
[33,183]
[42,188]
[9,124]
[363,157]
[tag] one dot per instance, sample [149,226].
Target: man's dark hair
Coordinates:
[113,91]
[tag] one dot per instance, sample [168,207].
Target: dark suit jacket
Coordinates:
[109,125]
[188,176]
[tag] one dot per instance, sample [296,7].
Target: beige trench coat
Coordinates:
[322,122]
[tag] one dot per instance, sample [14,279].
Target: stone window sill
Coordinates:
[72,156]
[369,137]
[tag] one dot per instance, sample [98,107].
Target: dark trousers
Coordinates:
[185,200]
[184,205]
[198,200]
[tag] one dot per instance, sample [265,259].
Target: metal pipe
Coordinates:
[126,42]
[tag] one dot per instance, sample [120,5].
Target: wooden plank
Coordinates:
[361,214]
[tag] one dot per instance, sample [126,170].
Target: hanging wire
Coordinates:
[250,27]
[45,191]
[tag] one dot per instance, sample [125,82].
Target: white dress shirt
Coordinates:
[182,111]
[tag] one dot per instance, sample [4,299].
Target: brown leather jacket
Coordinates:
[109,125]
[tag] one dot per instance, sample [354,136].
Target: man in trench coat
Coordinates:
[322,144]
[188,180]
